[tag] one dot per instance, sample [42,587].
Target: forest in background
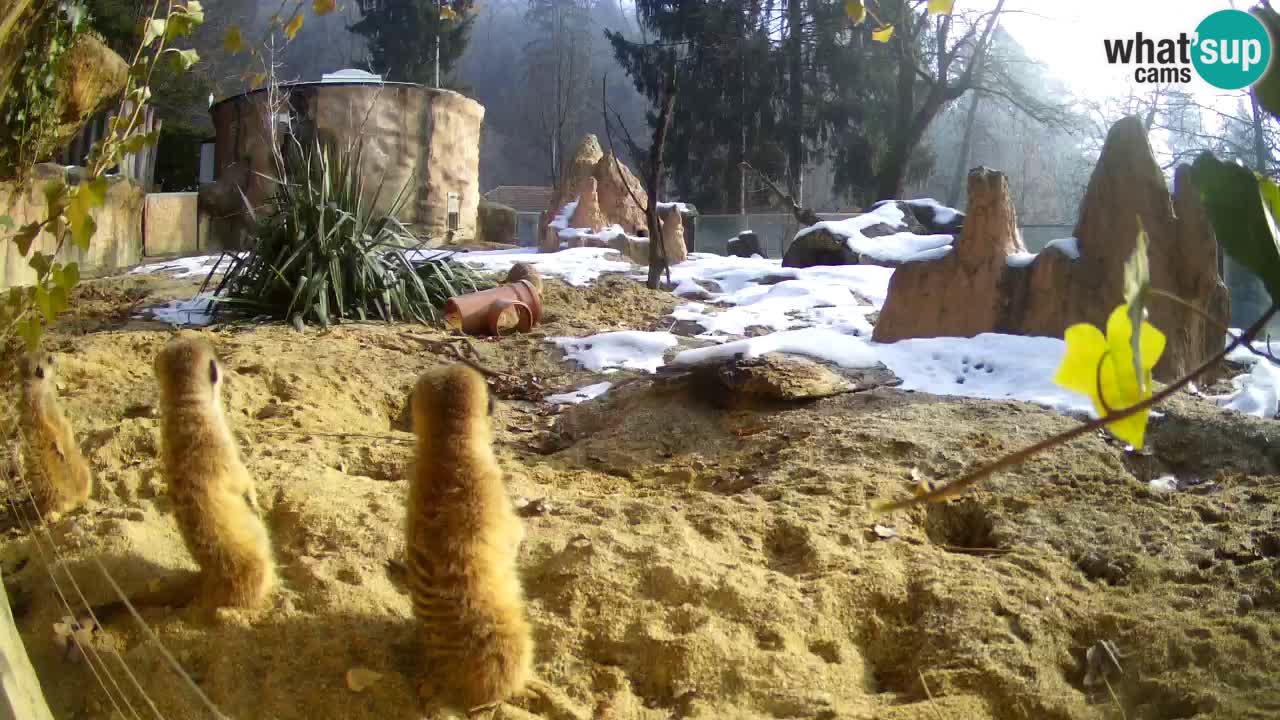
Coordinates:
[826,110]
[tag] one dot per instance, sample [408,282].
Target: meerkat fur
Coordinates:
[57,474]
[462,540]
[213,494]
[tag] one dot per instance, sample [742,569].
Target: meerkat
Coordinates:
[463,536]
[524,271]
[213,494]
[57,474]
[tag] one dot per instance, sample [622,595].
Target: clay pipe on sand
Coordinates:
[515,306]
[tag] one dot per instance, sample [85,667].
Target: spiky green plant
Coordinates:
[322,254]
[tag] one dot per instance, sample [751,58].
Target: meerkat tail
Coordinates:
[176,593]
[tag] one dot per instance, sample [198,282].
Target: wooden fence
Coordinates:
[139,167]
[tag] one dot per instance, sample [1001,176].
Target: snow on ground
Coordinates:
[977,367]
[582,394]
[900,247]
[630,349]
[1067,246]
[575,266]
[1256,392]
[185,267]
[193,312]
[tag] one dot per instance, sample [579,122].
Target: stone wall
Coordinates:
[116,245]
[170,224]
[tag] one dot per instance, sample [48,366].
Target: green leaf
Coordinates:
[25,236]
[71,273]
[1233,197]
[184,58]
[42,302]
[58,300]
[40,263]
[29,329]
[135,142]
[1267,89]
[155,29]
[89,195]
[6,222]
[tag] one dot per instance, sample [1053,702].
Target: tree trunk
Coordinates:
[653,179]
[795,61]
[966,146]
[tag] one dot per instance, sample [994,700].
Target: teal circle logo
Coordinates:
[1233,49]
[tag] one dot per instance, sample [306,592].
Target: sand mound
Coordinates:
[682,560]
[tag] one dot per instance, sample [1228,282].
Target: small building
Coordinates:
[529,202]
[424,140]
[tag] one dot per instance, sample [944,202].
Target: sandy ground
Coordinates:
[682,561]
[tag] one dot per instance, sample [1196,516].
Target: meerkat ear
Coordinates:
[213,372]
[40,371]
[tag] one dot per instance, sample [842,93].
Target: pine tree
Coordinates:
[403,36]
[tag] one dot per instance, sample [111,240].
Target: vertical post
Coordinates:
[20,695]
[439,21]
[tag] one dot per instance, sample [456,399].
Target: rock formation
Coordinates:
[821,246]
[587,213]
[745,245]
[616,193]
[988,283]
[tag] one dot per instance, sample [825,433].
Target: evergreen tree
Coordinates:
[403,35]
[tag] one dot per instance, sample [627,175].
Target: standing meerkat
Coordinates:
[56,472]
[462,539]
[213,494]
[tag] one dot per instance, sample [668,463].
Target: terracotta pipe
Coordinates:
[479,313]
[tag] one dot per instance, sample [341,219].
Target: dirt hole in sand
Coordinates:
[963,526]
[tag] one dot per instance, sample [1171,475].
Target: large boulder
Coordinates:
[622,196]
[853,241]
[745,245]
[619,197]
[990,284]
[935,217]
[495,223]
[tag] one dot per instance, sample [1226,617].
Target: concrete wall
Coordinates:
[116,245]
[170,224]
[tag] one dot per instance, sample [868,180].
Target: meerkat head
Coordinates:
[188,366]
[38,367]
[451,395]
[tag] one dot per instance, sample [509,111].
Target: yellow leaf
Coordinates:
[941,7]
[324,7]
[448,13]
[883,34]
[233,43]
[291,30]
[259,79]
[1103,368]
[856,11]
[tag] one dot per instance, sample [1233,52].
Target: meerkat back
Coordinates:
[462,540]
[213,494]
[56,471]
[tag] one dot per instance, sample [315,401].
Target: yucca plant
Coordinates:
[322,254]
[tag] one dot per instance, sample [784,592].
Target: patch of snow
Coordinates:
[604,235]
[187,266]
[1020,259]
[582,394]
[989,366]
[941,213]
[687,288]
[192,312]
[1164,485]
[679,206]
[1067,246]
[561,221]
[575,266]
[821,343]
[899,247]
[1257,392]
[888,214]
[609,351]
